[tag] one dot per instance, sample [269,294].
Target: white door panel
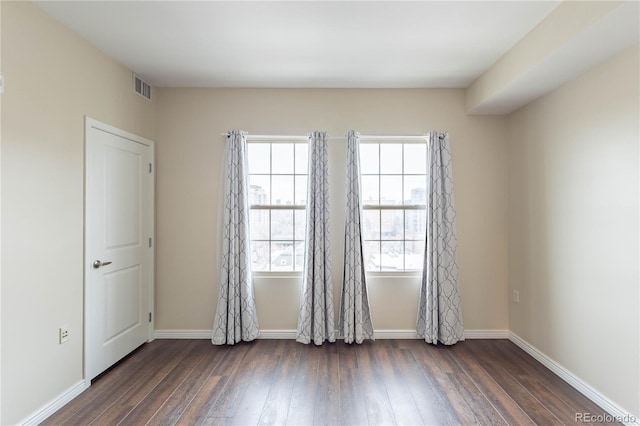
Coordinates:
[119,228]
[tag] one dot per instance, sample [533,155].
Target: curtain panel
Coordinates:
[315,319]
[439,309]
[235,318]
[355,316]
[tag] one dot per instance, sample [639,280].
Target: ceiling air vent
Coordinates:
[141,87]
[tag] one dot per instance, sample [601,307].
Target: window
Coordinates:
[394,194]
[278,196]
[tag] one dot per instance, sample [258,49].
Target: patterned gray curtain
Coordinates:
[236,317]
[315,320]
[355,317]
[439,310]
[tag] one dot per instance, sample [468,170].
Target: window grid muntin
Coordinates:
[401,207]
[270,207]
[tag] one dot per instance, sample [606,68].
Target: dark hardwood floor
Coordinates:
[409,382]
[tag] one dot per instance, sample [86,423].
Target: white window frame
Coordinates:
[403,140]
[271,207]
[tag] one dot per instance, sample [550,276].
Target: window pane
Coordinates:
[260,256]
[301,190]
[370,189]
[415,224]
[302,158]
[259,224]
[369,158]
[301,221]
[259,158]
[392,258]
[390,158]
[414,255]
[372,255]
[299,251]
[415,158]
[282,224]
[415,189]
[371,224]
[282,256]
[259,189]
[282,191]
[392,224]
[391,190]
[282,158]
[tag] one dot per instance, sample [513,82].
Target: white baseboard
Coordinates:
[486,334]
[278,334]
[48,409]
[291,334]
[395,334]
[183,334]
[618,414]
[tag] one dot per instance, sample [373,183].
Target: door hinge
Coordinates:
[150,242]
[150,316]
[150,167]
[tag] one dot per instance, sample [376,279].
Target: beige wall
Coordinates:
[54,79]
[189,149]
[573,234]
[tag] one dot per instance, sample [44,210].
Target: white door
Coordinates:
[118,245]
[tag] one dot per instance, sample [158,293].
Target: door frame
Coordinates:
[91,123]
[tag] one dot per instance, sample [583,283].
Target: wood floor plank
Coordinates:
[252,403]
[115,376]
[549,391]
[184,394]
[404,406]
[306,390]
[406,382]
[276,406]
[529,404]
[353,410]
[376,399]
[500,399]
[226,405]
[205,403]
[579,402]
[197,412]
[106,397]
[161,393]
[430,360]
[127,401]
[434,408]
[479,404]
[328,408]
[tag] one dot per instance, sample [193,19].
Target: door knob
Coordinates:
[98,264]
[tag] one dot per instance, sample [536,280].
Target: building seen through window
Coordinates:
[394,195]
[277,195]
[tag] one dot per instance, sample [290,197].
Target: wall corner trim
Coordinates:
[576,382]
[55,404]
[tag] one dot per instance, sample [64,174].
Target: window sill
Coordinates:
[276,274]
[393,274]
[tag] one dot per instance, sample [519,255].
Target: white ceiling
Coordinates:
[370,44]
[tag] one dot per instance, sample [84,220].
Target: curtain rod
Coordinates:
[396,137]
[362,137]
[275,137]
